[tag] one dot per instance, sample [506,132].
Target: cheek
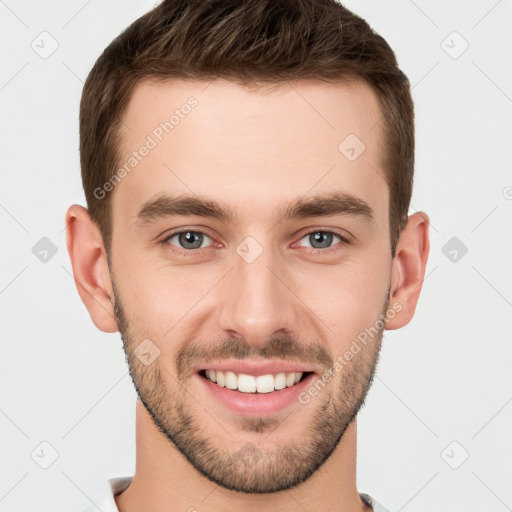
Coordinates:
[348,299]
[162,301]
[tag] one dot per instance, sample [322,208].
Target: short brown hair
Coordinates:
[248,42]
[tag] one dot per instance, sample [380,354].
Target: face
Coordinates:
[250,248]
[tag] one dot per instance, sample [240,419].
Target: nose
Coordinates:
[258,300]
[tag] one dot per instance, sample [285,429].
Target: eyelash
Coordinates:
[194,252]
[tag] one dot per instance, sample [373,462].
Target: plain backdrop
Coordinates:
[435,432]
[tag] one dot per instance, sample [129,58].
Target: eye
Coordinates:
[187,240]
[322,239]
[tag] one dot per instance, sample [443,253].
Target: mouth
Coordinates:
[254,384]
[251,389]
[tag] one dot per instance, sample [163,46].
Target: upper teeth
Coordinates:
[250,384]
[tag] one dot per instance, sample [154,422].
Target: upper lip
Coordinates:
[256,368]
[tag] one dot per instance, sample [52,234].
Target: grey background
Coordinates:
[443,388]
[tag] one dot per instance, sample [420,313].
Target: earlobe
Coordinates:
[408,270]
[90,267]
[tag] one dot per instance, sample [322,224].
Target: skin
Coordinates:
[253,151]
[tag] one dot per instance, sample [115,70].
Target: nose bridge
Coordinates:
[257,302]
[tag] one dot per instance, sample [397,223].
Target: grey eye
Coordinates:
[321,239]
[189,239]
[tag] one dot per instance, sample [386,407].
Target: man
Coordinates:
[248,167]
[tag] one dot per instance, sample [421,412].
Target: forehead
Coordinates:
[247,146]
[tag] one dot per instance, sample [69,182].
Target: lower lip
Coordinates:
[256,404]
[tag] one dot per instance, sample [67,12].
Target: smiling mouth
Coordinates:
[252,384]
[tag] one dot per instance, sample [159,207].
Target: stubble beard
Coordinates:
[248,468]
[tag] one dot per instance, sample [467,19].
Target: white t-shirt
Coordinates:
[106,502]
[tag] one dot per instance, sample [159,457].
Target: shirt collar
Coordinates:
[107,503]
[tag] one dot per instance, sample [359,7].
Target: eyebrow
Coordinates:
[324,205]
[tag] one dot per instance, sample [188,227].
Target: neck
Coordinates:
[165,481]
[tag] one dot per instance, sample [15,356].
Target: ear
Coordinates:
[408,270]
[90,267]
